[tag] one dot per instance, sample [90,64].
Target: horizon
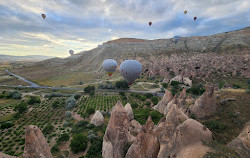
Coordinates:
[24,32]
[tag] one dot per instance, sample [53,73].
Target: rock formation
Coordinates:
[129,110]
[117,135]
[135,128]
[182,98]
[97,119]
[164,101]
[206,104]
[241,144]
[36,145]
[170,104]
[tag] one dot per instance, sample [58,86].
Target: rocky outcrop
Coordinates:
[129,110]
[117,135]
[179,133]
[206,104]
[164,101]
[135,128]
[97,119]
[146,144]
[35,144]
[241,144]
[170,104]
[177,78]
[182,98]
[187,81]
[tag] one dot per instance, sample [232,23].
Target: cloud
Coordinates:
[83,24]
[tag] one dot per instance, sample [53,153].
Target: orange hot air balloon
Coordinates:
[185,12]
[150,23]
[44,16]
[195,18]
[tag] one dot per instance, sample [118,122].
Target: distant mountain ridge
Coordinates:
[24,58]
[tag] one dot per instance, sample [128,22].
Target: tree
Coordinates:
[33,99]
[81,83]
[79,143]
[64,137]
[122,85]
[70,103]
[21,107]
[89,89]
[77,96]
[48,129]
[122,93]
[154,100]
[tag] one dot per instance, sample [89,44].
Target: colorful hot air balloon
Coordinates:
[176,39]
[150,23]
[44,16]
[71,52]
[109,65]
[185,12]
[195,18]
[130,70]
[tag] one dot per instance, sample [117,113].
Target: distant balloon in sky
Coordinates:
[176,39]
[109,65]
[44,16]
[130,70]
[195,18]
[150,23]
[71,52]
[185,12]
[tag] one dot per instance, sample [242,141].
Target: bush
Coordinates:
[21,108]
[56,104]
[6,125]
[90,110]
[235,86]
[154,100]
[156,116]
[95,149]
[79,143]
[124,98]
[89,89]
[14,95]
[148,95]
[33,100]
[134,105]
[52,95]
[141,115]
[80,83]
[77,96]
[221,84]
[165,85]
[48,129]
[54,148]
[143,98]
[64,137]
[67,114]
[70,103]
[122,85]
[174,91]
[214,125]
[174,83]
[122,93]
[2,96]
[197,90]
[92,93]
[148,103]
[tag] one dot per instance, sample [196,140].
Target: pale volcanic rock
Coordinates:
[35,144]
[187,81]
[97,119]
[129,110]
[182,98]
[241,144]
[206,104]
[146,144]
[135,128]
[117,135]
[170,104]
[164,101]
[177,78]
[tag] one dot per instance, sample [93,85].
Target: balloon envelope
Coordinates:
[195,18]
[130,70]
[71,52]
[44,16]
[185,12]
[150,23]
[109,65]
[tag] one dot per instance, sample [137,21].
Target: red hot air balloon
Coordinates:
[150,23]
[44,16]
[195,18]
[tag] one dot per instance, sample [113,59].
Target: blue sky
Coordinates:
[83,24]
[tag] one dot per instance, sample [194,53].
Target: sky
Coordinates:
[84,24]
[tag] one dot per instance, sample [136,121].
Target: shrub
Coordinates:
[122,93]
[235,86]
[33,99]
[95,149]
[143,98]
[221,84]
[124,98]
[154,100]
[21,107]
[79,143]
[156,116]
[134,105]
[122,85]
[70,103]
[90,110]
[77,96]
[67,114]
[92,93]
[148,95]
[148,103]
[80,83]
[53,95]
[197,90]
[2,96]
[14,95]
[174,83]
[54,148]
[64,137]
[56,104]
[89,89]
[165,85]
[48,129]
[214,125]
[6,125]
[174,91]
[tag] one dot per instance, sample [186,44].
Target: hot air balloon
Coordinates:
[44,16]
[185,12]
[150,23]
[109,65]
[176,39]
[130,70]
[71,52]
[195,18]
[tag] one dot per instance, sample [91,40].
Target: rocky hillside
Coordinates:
[198,56]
